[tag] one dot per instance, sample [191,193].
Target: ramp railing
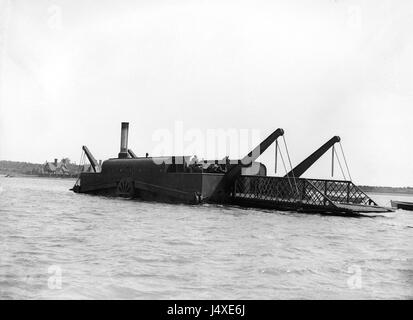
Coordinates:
[280,189]
[342,191]
[316,192]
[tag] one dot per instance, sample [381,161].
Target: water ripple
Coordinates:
[114,248]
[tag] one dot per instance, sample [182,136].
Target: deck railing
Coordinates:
[309,191]
[342,191]
[280,189]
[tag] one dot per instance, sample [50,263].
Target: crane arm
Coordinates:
[299,170]
[132,154]
[91,158]
[252,156]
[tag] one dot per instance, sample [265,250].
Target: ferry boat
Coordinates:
[242,182]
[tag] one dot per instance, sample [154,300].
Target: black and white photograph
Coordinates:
[206,150]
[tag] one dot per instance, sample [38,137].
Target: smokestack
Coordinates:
[124,140]
[55,162]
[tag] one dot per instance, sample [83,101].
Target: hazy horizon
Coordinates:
[71,71]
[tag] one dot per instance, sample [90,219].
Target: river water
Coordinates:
[56,244]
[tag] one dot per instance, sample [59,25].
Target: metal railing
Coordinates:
[307,191]
[342,191]
[280,189]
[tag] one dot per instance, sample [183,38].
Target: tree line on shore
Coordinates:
[381,189]
[28,168]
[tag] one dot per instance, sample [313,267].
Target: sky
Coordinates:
[72,71]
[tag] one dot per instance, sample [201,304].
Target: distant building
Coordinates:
[49,168]
[61,169]
[56,168]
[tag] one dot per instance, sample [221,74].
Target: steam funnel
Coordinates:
[124,140]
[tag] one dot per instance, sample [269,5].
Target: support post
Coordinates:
[348,192]
[304,187]
[276,155]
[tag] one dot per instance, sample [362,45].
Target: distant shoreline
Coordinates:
[22,169]
[23,175]
[404,193]
[387,190]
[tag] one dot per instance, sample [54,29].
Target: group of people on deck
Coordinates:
[206,166]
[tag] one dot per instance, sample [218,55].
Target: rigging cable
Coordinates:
[79,166]
[285,168]
[339,163]
[291,167]
[83,161]
[345,161]
[276,155]
[80,160]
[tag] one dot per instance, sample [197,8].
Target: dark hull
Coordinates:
[248,191]
[167,187]
[402,205]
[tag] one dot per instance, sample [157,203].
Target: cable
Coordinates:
[276,155]
[339,163]
[79,166]
[291,167]
[80,160]
[285,168]
[345,161]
